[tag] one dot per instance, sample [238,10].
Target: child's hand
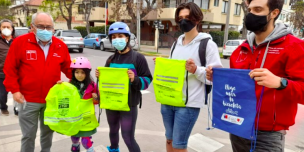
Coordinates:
[59,82]
[95,98]
[131,75]
[97,73]
[94,95]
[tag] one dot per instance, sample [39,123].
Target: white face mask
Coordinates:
[6,32]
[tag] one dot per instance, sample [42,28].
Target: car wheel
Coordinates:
[94,46]
[225,57]
[80,50]
[102,47]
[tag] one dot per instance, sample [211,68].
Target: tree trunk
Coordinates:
[69,24]
[244,32]
[245,11]
[87,15]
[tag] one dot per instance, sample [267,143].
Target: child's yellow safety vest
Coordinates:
[66,112]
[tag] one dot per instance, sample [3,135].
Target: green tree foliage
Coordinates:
[297,18]
[50,7]
[4,10]
[218,36]
[96,29]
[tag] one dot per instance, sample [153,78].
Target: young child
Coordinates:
[140,78]
[82,80]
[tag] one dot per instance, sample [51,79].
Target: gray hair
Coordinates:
[36,14]
[6,20]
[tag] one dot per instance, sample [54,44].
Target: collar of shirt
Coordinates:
[8,42]
[40,42]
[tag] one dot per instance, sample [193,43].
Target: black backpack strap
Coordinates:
[97,90]
[173,47]
[202,51]
[134,61]
[134,58]
[202,55]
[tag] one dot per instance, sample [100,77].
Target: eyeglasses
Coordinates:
[41,27]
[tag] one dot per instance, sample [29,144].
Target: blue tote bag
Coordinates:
[234,102]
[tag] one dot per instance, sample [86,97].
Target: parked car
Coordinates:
[105,43]
[93,40]
[21,30]
[230,46]
[72,38]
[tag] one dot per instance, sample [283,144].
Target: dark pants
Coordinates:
[267,141]
[127,121]
[3,95]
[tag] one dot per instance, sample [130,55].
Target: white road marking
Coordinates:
[13,143]
[201,143]
[145,91]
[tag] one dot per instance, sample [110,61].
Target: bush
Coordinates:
[218,36]
[96,29]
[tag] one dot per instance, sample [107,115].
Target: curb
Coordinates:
[156,55]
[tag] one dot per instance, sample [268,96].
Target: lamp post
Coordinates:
[158,25]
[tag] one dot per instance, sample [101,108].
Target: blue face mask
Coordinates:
[44,35]
[119,43]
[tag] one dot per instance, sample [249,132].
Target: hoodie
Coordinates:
[196,81]
[282,54]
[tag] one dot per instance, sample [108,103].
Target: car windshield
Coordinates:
[233,43]
[71,34]
[101,36]
[19,32]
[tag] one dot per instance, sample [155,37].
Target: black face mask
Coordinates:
[186,25]
[256,23]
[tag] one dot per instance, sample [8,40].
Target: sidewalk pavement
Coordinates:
[162,52]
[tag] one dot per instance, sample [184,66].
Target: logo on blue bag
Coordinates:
[232,119]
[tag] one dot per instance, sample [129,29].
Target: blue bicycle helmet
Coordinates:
[119,27]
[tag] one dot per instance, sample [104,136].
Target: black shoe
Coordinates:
[75,148]
[16,111]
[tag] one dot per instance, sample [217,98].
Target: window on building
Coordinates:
[34,10]
[166,3]
[169,3]
[225,7]
[198,2]
[98,4]
[285,1]
[204,4]
[216,2]
[81,9]
[237,9]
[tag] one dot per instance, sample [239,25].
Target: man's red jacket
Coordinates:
[29,72]
[285,58]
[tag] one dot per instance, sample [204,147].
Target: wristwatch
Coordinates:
[284,84]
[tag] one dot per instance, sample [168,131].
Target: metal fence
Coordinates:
[166,40]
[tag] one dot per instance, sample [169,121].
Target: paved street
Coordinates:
[149,131]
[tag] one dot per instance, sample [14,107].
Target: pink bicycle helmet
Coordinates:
[81,63]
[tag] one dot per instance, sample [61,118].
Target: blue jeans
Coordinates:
[179,122]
